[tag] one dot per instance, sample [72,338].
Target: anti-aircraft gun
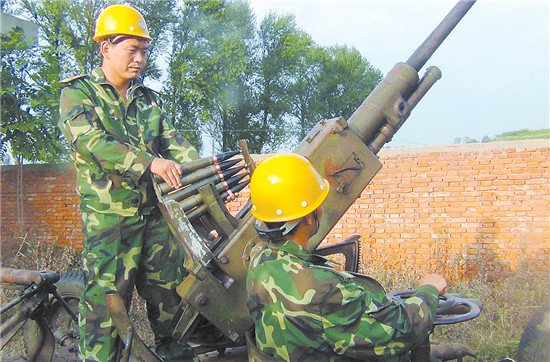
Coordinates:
[213,313]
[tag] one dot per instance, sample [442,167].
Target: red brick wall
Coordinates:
[457,208]
[450,207]
[38,203]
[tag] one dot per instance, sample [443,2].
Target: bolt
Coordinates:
[224,260]
[202,300]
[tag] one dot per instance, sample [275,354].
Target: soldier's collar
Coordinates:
[299,252]
[98,76]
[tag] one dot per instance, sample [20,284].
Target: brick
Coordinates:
[459,201]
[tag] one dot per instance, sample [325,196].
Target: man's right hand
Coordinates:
[169,170]
[437,281]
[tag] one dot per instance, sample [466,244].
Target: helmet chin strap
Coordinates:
[316,220]
[277,234]
[310,248]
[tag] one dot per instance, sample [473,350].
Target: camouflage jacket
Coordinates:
[308,312]
[114,142]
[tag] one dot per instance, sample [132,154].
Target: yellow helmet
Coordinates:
[120,20]
[286,187]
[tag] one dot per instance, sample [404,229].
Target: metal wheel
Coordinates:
[70,286]
[452,308]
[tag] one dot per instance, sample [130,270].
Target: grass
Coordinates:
[508,305]
[510,297]
[33,256]
[59,258]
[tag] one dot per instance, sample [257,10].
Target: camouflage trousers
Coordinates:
[120,252]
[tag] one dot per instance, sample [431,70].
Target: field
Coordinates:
[510,297]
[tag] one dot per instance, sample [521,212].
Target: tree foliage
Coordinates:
[17,122]
[210,68]
[280,46]
[223,76]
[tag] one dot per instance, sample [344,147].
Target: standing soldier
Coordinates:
[305,311]
[120,138]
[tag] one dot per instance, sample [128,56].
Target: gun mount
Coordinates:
[213,311]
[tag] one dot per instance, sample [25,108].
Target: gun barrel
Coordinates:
[419,58]
[391,102]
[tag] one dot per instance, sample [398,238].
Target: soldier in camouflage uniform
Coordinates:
[305,311]
[120,138]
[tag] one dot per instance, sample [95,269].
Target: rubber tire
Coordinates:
[534,344]
[71,287]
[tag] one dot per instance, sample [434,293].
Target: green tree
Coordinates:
[346,80]
[184,91]
[17,125]
[329,83]
[31,74]
[53,61]
[229,71]
[35,136]
[305,107]
[225,78]
[281,46]
[159,16]
[210,70]
[81,20]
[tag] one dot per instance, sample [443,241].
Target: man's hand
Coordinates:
[170,171]
[437,281]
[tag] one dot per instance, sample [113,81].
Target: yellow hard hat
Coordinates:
[120,20]
[286,187]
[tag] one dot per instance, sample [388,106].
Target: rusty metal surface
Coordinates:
[386,103]
[197,254]
[124,328]
[27,277]
[43,346]
[250,164]
[345,161]
[211,288]
[12,325]
[434,40]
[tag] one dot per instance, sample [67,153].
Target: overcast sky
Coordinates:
[495,63]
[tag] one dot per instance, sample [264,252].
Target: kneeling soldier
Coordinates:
[305,311]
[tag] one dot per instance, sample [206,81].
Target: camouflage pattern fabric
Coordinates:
[308,312]
[126,241]
[114,142]
[120,252]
